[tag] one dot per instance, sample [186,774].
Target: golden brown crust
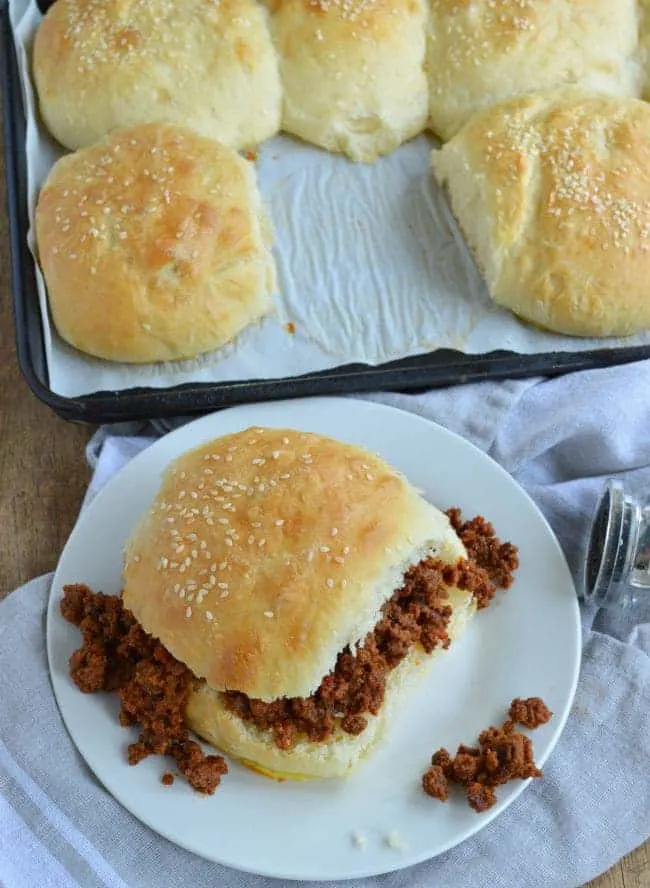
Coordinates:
[104,64]
[552,192]
[352,72]
[480,53]
[153,245]
[271,550]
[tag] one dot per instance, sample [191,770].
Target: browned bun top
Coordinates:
[100,65]
[552,192]
[266,552]
[154,245]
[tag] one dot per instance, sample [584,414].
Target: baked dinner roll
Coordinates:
[352,72]
[480,52]
[266,554]
[552,192]
[154,245]
[104,64]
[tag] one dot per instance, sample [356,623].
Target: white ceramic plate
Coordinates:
[526,644]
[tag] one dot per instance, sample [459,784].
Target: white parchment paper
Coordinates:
[371,268]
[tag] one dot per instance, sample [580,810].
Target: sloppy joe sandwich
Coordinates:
[291,587]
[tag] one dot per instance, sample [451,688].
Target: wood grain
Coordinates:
[43,476]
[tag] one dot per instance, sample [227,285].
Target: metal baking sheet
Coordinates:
[438,368]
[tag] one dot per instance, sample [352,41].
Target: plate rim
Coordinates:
[272,406]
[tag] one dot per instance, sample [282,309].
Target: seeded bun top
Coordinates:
[154,245]
[552,192]
[100,65]
[266,552]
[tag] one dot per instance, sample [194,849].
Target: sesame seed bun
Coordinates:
[154,246]
[552,193]
[352,72]
[100,65]
[209,717]
[480,53]
[267,552]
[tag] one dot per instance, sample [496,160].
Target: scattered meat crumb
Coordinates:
[153,687]
[531,712]
[167,779]
[503,754]
[497,560]
[290,327]
[434,783]
[250,155]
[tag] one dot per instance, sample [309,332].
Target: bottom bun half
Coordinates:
[208,716]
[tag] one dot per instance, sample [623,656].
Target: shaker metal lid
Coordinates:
[612,548]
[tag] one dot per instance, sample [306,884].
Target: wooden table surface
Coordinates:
[43,477]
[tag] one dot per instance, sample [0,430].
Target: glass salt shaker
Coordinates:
[617,566]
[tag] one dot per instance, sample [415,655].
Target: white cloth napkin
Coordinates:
[561,439]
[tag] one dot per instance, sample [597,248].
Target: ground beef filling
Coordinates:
[153,687]
[503,754]
[417,613]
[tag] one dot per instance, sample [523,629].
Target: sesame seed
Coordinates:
[268,614]
[285,440]
[324,549]
[188,613]
[310,555]
[330,583]
[222,585]
[255,524]
[339,560]
[228,541]
[335,531]
[223,521]
[346,550]
[261,543]
[209,616]
[369,476]
[276,454]
[279,522]
[251,540]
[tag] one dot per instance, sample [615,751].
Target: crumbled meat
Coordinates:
[442,759]
[481,797]
[417,613]
[503,754]
[486,551]
[531,713]
[203,772]
[465,767]
[167,779]
[153,687]
[434,783]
